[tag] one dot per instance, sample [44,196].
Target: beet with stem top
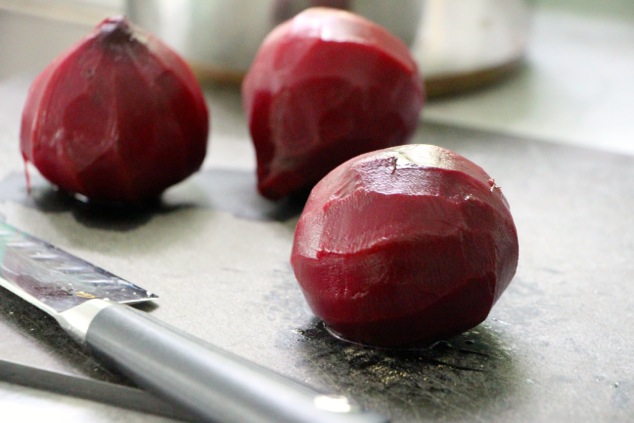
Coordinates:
[118,117]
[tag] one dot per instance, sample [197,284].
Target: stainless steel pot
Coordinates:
[458,44]
[465,44]
[220,37]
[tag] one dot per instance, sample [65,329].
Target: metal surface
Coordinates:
[462,44]
[220,37]
[53,279]
[458,45]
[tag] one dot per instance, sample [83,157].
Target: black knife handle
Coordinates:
[213,383]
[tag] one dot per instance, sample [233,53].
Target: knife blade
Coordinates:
[89,303]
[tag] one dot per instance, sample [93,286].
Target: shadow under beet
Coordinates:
[231,191]
[234,191]
[452,380]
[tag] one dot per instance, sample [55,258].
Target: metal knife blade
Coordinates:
[212,383]
[52,279]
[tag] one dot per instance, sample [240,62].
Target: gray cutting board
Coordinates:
[557,346]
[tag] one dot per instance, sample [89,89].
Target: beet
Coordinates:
[118,117]
[324,87]
[404,246]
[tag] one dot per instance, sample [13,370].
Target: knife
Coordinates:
[89,303]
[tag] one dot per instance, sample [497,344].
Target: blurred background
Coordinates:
[554,70]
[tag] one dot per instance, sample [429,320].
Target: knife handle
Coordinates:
[213,383]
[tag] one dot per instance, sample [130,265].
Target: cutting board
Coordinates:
[556,346]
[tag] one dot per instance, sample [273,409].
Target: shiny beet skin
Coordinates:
[118,117]
[324,87]
[404,246]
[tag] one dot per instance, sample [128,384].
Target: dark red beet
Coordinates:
[117,117]
[324,87]
[404,246]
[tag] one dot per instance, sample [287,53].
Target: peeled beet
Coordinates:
[117,117]
[404,246]
[324,87]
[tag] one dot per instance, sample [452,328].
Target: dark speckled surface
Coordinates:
[557,346]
